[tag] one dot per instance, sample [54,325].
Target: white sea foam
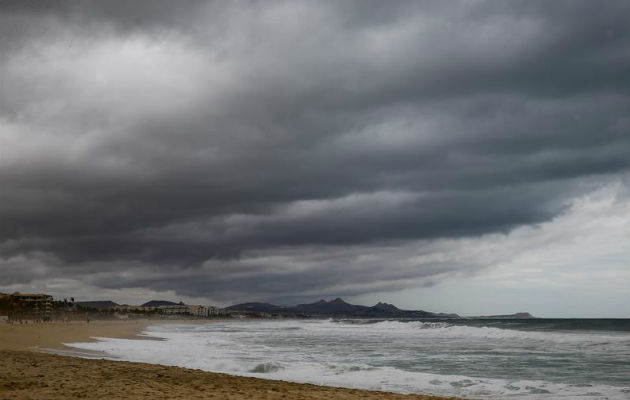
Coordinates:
[453,330]
[387,355]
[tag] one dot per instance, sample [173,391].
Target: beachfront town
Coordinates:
[38,307]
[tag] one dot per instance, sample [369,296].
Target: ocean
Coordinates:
[490,359]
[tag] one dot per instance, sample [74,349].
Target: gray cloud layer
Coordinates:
[267,149]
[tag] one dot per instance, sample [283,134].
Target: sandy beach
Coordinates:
[53,335]
[26,372]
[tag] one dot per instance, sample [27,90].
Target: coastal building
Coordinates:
[215,311]
[204,311]
[171,309]
[135,309]
[179,309]
[27,305]
[198,311]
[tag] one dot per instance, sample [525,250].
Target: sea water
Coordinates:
[492,359]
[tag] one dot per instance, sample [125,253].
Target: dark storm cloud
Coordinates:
[186,145]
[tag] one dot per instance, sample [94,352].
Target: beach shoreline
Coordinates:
[29,370]
[53,335]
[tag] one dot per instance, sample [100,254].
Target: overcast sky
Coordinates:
[454,156]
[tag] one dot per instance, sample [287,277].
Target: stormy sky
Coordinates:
[460,156]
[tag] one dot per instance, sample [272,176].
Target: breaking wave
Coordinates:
[434,357]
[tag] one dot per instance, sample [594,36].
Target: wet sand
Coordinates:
[35,375]
[52,335]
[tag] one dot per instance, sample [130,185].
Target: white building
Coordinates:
[174,310]
[204,311]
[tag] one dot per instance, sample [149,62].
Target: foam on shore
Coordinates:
[302,352]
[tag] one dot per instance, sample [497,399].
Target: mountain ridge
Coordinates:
[158,303]
[339,308]
[97,304]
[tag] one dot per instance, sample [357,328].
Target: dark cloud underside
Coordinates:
[188,145]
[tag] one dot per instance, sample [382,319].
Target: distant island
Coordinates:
[518,315]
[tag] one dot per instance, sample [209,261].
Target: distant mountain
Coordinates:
[158,303]
[386,307]
[333,307]
[339,308]
[447,315]
[519,315]
[99,305]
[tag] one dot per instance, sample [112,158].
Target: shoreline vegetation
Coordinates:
[28,370]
